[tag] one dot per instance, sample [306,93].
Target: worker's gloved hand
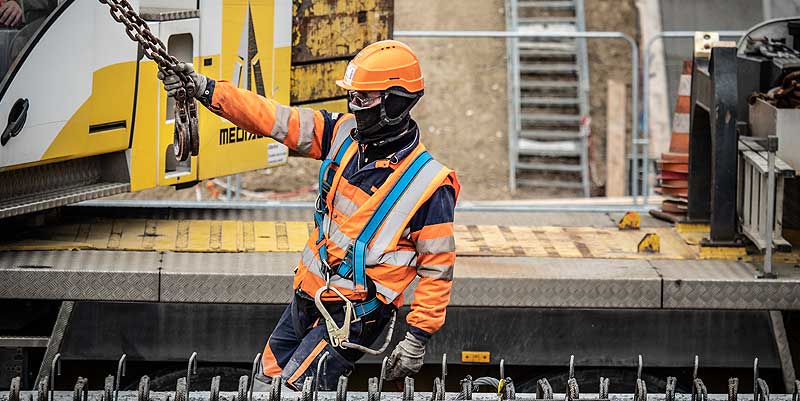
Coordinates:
[406,359]
[172,82]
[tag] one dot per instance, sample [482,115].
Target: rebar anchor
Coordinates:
[56,363]
[760,388]
[121,367]
[640,391]
[573,392]
[699,391]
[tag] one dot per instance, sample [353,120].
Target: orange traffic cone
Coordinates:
[674,165]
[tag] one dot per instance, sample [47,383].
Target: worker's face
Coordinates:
[363,100]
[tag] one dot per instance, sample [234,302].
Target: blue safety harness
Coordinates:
[354,264]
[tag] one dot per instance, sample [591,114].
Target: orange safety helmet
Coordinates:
[383,65]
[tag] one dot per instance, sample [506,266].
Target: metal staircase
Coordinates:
[548,83]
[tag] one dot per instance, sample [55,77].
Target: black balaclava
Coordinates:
[385,122]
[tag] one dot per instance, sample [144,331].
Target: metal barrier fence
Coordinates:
[639,138]
[636,141]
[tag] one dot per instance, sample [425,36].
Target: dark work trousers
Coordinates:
[298,342]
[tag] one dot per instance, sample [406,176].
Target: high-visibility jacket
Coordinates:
[415,239]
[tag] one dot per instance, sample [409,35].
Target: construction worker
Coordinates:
[384,216]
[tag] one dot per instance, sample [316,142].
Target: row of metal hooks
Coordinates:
[310,388]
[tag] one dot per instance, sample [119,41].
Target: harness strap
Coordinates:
[355,259]
[327,171]
[365,308]
[370,304]
[354,262]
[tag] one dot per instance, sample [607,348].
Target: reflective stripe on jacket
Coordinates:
[399,251]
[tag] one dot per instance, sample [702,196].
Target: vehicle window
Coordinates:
[19,21]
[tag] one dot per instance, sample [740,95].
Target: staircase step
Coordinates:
[565,85]
[546,54]
[532,44]
[550,134]
[550,118]
[549,101]
[549,153]
[529,147]
[567,168]
[549,183]
[554,4]
[548,68]
[547,20]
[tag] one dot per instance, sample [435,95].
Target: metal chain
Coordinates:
[136,28]
[186,138]
[786,96]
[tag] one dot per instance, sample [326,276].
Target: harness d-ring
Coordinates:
[337,335]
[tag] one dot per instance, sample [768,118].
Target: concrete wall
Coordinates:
[781,8]
[701,15]
[463,115]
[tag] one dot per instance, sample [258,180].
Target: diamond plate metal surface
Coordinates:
[56,184]
[33,203]
[228,278]
[479,281]
[555,282]
[80,275]
[717,284]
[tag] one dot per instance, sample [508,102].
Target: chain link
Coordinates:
[153,48]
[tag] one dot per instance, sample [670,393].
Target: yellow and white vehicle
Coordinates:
[83,114]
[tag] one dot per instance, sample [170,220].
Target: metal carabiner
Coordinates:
[328,275]
[337,334]
[319,201]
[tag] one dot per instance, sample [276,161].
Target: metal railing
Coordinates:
[514,91]
[462,206]
[636,141]
[639,138]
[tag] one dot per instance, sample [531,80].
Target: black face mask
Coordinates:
[368,119]
[387,121]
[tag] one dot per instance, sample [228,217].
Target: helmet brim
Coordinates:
[340,83]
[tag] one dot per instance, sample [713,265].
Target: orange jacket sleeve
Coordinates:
[300,129]
[432,233]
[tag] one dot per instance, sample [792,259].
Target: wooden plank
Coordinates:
[310,82]
[615,138]
[326,29]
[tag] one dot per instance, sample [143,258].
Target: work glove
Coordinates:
[172,82]
[406,359]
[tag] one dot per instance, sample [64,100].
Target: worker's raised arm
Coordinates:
[306,131]
[300,129]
